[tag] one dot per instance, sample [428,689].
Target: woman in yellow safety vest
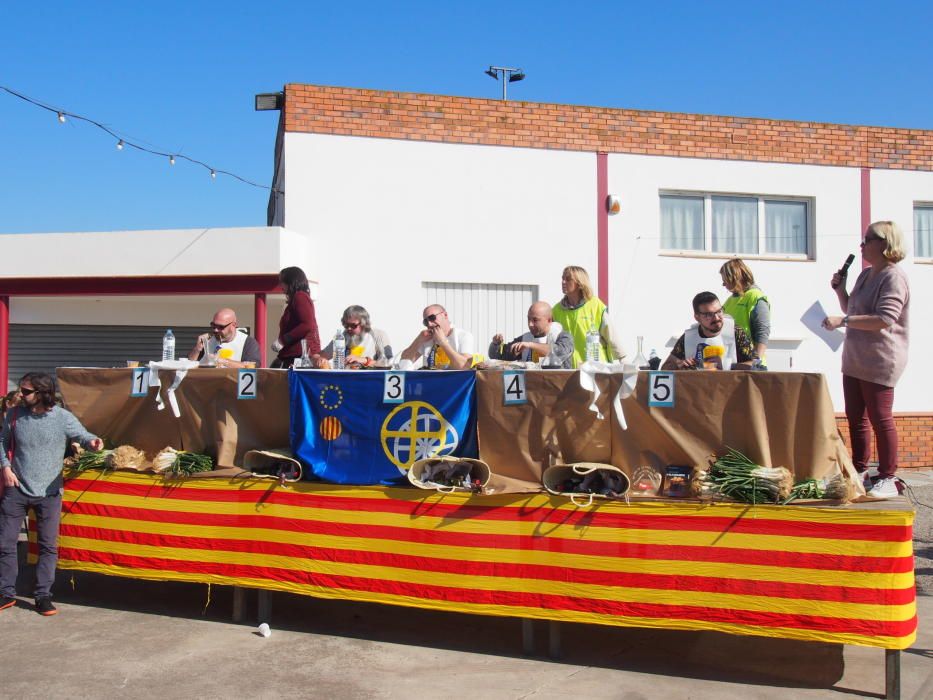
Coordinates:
[579,311]
[747,304]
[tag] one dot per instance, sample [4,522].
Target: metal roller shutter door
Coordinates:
[43,347]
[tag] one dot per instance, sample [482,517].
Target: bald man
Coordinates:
[440,344]
[238,348]
[546,341]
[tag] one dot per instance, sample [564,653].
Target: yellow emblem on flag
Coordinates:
[415,430]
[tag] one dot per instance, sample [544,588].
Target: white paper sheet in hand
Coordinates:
[813,319]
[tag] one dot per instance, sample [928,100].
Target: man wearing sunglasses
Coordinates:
[32,444]
[440,345]
[714,340]
[225,345]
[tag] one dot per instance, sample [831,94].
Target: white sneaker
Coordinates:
[884,488]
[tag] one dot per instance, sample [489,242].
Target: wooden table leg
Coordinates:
[239,603]
[553,642]
[528,636]
[265,607]
[892,674]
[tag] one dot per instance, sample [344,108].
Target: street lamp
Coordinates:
[507,75]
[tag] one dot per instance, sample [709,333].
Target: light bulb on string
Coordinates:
[61,117]
[171,160]
[213,174]
[120,145]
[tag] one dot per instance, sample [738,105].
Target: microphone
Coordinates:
[844,270]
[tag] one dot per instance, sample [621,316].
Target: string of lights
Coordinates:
[122,142]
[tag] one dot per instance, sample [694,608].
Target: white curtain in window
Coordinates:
[682,225]
[923,232]
[735,225]
[786,227]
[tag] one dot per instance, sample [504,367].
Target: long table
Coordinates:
[832,574]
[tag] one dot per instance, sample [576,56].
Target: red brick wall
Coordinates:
[914,438]
[470,120]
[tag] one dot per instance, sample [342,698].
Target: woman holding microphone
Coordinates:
[875,352]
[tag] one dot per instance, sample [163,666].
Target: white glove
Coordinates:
[277,346]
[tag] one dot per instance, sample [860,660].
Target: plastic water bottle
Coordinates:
[340,351]
[654,362]
[592,345]
[168,345]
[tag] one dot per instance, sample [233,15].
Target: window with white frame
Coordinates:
[735,224]
[923,230]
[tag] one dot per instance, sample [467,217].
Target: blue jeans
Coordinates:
[13,509]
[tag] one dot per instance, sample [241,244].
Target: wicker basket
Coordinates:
[267,464]
[554,478]
[419,473]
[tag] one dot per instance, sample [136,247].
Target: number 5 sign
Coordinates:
[661,389]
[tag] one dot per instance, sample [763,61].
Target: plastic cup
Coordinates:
[264,629]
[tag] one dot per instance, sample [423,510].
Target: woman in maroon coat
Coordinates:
[298,320]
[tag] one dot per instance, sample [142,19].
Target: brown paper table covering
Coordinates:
[212,419]
[776,418]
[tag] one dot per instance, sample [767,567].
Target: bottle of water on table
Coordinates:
[168,345]
[592,345]
[340,351]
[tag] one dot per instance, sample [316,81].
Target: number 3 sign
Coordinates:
[661,389]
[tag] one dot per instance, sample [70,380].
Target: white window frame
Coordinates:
[708,252]
[913,241]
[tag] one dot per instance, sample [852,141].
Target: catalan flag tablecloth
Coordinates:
[842,575]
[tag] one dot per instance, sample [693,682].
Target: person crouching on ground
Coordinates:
[36,434]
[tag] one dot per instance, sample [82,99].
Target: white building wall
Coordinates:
[387,215]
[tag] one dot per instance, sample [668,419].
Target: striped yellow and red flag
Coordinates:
[842,575]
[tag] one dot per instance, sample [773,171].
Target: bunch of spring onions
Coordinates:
[181,462]
[735,476]
[88,459]
[834,488]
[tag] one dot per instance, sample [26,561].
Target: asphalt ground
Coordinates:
[129,638]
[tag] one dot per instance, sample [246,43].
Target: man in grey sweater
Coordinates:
[36,434]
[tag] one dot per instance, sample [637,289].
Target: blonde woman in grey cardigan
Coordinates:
[875,352]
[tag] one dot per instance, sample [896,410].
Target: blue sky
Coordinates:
[181,77]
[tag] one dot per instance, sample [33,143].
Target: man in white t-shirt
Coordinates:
[440,345]
[225,345]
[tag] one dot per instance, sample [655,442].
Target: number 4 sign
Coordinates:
[661,389]
[513,388]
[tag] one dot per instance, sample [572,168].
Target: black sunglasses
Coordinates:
[218,327]
[432,318]
[28,392]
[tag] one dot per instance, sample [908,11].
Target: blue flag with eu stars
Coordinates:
[358,427]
